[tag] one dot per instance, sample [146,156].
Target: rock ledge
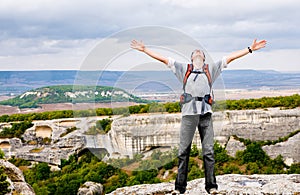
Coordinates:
[228,184]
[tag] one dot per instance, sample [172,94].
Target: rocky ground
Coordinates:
[228,185]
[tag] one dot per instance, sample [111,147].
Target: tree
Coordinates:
[146,177]
[116,181]
[254,153]
[294,169]
[42,171]
[194,151]
[221,155]
[104,124]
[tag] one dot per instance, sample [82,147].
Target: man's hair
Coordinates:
[194,52]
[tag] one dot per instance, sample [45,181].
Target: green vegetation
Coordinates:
[288,102]
[2,155]
[116,173]
[19,162]
[102,127]
[74,173]
[71,93]
[253,160]
[283,102]
[16,130]
[295,168]
[69,130]
[39,116]
[4,184]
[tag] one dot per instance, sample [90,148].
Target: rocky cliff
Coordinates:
[135,134]
[50,141]
[16,179]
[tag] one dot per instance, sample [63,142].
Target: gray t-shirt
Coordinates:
[197,84]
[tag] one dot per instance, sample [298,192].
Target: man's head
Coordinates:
[198,52]
[198,58]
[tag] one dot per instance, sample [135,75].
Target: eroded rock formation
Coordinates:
[140,133]
[135,133]
[90,188]
[16,179]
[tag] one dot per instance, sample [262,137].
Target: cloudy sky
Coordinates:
[60,34]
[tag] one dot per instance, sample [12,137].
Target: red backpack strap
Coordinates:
[187,74]
[207,73]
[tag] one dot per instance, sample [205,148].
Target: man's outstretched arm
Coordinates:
[256,45]
[139,45]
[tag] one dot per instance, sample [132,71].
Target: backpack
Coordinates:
[187,97]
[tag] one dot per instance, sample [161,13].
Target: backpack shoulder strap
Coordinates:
[187,74]
[207,73]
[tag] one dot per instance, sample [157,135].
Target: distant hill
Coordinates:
[71,93]
[18,82]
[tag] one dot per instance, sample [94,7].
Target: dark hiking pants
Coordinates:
[187,131]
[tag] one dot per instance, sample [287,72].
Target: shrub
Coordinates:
[221,155]
[294,169]
[254,153]
[2,155]
[252,168]
[16,130]
[19,162]
[4,184]
[195,173]
[194,151]
[231,169]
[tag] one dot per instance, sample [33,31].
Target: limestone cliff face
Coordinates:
[290,150]
[269,124]
[136,133]
[141,133]
[43,142]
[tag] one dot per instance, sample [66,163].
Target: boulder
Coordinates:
[233,146]
[16,178]
[90,188]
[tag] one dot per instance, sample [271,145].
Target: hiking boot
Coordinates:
[213,191]
[176,192]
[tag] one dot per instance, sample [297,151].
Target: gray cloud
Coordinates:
[56,27]
[91,18]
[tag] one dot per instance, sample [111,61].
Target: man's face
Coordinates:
[198,53]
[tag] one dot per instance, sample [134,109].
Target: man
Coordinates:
[196,107]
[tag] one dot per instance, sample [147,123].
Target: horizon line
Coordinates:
[45,70]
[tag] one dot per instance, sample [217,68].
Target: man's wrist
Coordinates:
[250,50]
[144,49]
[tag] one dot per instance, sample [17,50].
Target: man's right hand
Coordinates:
[138,45]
